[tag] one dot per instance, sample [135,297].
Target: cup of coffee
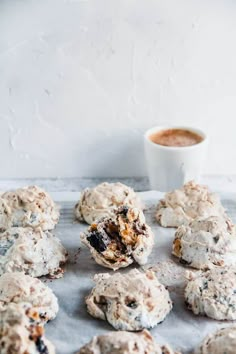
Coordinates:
[174,156]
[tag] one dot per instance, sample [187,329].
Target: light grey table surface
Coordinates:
[218,183]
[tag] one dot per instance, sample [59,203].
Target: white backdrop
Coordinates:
[80,81]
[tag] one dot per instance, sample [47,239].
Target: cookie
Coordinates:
[32,251]
[101,200]
[121,239]
[31,206]
[122,342]
[18,287]
[222,341]
[205,243]
[212,293]
[183,205]
[21,332]
[5,215]
[131,301]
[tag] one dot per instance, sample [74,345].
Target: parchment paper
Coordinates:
[74,326]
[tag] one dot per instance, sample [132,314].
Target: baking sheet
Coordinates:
[73,326]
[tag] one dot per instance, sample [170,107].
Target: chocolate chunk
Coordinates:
[42,348]
[183,261]
[97,241]
[124,210]
[132,305]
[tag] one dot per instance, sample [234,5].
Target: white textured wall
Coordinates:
[80,81]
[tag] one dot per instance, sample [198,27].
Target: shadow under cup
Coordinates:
[169,167]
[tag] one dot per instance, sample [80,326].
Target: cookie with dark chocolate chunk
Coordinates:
[117,241]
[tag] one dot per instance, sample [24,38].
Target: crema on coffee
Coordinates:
[175,137]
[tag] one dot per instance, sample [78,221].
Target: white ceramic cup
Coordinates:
[169,167]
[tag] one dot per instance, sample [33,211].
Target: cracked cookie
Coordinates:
[121,239]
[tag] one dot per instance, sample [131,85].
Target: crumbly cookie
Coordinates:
[31,206]
[5,215]
[121,239]
[181,206]
[21,332]
[122,342]
[212,293]
[32,251]
[18,287]
[131,301]
[101,200]
[205,243]
[222,341]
